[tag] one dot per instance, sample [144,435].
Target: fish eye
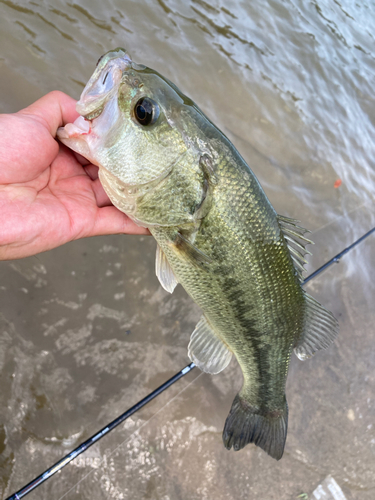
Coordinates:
[146,111]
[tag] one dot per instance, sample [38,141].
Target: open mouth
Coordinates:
[81,126]
[94,114]
[99,91]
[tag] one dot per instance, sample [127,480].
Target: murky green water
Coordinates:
[86,330]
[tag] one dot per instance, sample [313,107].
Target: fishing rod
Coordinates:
[105,430]
[93,439]
[336,258]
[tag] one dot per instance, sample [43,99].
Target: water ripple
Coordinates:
[97,22]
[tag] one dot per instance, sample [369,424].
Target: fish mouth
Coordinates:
[104,83]
[97,106]
[100,89]
[81,126]
[94,114]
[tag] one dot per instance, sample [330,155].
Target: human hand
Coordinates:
[48,194]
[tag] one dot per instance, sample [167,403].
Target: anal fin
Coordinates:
[164,271]
[321,329]
[206,350]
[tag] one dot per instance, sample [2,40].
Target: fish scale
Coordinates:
[230,273]
[169,168]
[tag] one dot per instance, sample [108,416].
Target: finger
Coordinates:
[54,110]
[92,171]
[66,166]
[81,159]
[101,196]
[109,220]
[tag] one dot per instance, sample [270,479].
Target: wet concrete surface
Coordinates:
[86,330]
[104,335]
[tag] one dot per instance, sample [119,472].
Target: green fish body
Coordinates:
[167,166]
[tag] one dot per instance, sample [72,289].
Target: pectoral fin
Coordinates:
[206,350]
[321,329]
[188,251]
[164,271]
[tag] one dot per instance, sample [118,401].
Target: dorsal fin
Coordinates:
[296,241]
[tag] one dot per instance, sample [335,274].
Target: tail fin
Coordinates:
[245,424]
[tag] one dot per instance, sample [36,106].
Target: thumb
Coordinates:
[54,110]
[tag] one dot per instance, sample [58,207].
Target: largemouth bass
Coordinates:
[169,168]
